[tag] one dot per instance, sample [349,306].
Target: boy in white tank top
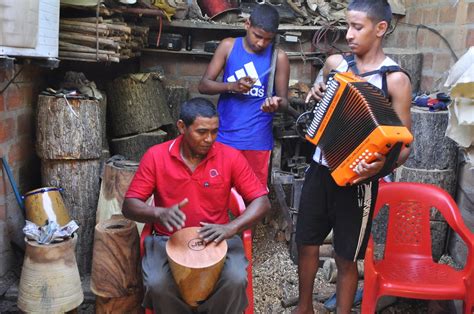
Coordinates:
[348,210]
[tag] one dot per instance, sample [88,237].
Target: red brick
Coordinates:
[2,103]
[25,124]
[430,39]
[3,212]
[19,96]
[402,41]
[447,14]
[470,13]
[427,83]
[20,151]
[430,16]
[416,16]
[442,63]
[470,38]
[7,130]
[195,67]
[427,60]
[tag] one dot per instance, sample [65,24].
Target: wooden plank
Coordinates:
[207,25]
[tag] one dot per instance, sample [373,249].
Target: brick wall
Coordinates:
[454,22]
[188,69]
[17,109]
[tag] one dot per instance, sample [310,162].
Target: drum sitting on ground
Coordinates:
[195,266]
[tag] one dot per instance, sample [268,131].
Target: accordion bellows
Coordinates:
[352,121]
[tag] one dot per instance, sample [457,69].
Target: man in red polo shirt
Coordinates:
[191,178]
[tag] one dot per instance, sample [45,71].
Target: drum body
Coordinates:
[50,281]
[46,204]
[195,266]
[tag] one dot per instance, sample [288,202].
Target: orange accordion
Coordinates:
[353,121]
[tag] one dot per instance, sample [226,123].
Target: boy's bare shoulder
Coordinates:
[398,78]
[333,61]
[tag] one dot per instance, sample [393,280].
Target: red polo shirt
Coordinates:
[162,172]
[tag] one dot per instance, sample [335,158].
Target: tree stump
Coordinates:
[103,121]
[176,95]
[80,181]
[136,104]
[133,147]
[116,268]
[445,179]
[68,129]
[431,149]
[409,60]
[115,181]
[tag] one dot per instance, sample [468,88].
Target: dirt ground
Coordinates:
[276,280]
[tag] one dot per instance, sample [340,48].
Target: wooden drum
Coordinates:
[196,267]
[46,204]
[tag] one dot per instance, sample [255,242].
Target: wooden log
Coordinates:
[84,23]
[431,149]
[98,19]
[65,46]
[88,30]
[129,304]
[116,267]
[68,129]
[88,55]
[445,179]
[80,181]
[115,181]
[411,61]
[137,104]
[103,121]
[330,270]
[176,95]
[80,38]
[133,147]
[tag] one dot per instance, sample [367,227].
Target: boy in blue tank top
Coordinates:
[245,109]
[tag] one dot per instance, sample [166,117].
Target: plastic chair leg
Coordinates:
[469,305]
[369,300]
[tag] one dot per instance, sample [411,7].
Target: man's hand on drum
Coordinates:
[172,217]
[316,92]
[271,104]
[366,170]
[213,232]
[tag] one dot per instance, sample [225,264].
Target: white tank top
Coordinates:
[374,79]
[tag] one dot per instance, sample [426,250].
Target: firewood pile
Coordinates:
[100,40]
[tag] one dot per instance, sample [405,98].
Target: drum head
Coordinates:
[188,250]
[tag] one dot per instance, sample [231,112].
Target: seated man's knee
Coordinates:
[158,285]
[237,279]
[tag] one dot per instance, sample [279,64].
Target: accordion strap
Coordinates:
[383,70]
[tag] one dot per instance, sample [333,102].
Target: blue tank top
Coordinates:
[243,125]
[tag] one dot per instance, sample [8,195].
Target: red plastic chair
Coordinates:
[407,269]
[237,207]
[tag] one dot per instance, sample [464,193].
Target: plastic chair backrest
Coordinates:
[410,206]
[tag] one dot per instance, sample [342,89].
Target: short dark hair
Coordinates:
[266,17]
[196,107]
[377,10]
